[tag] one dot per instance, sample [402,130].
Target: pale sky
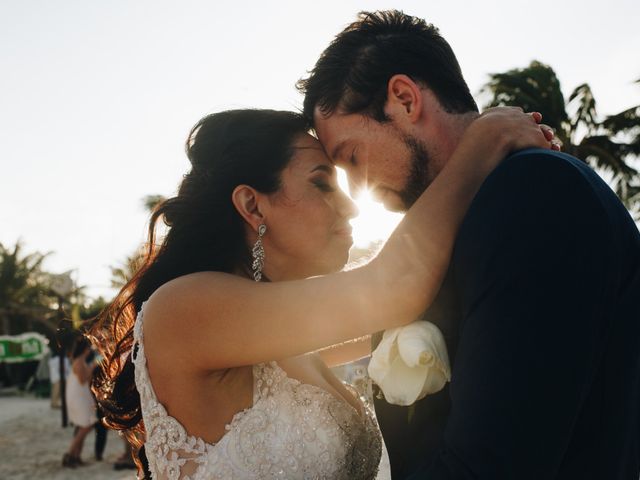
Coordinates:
[96,98]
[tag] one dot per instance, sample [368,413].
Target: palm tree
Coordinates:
[610,144]
[627,125]
[151,201]
[23,286]
[121,274]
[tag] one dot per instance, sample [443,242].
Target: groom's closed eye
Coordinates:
[336,154]
[352,159]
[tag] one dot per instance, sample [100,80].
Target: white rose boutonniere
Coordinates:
[410,363]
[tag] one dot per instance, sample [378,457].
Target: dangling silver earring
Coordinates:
[258,254]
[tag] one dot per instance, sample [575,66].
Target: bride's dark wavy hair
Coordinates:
[205,233]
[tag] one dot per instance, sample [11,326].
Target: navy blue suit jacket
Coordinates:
[541,314]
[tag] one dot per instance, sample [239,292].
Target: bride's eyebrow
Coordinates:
[323,168]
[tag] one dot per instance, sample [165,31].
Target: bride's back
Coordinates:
[290,430]
[192,394]
[204,402]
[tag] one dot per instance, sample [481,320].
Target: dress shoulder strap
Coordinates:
[268,379]
[137,327]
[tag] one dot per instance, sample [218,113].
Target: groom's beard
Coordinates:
[418,179]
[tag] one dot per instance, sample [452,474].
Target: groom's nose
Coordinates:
[356,187]
[357,181]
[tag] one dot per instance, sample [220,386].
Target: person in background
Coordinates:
[101,430]
[81,405]
[54,378]
[125,461]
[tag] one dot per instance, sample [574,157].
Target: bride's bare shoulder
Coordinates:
[189,287]
[188,295]
[192,279]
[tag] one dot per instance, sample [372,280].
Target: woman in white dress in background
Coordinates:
[81,407]
[206,366]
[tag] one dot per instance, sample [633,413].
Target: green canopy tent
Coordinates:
[23,348]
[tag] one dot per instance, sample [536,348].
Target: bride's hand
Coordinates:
[500,131]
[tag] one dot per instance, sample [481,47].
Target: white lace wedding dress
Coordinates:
[292,431]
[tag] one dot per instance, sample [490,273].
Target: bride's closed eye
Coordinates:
[324,178]
[324,186]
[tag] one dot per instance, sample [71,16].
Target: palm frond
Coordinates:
[601,151]
[534,88]
[537,88]
[586,114]
[626,123]
[151,201]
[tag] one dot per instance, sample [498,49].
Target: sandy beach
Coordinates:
[32,443]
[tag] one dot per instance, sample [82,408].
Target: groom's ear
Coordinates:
[246,201]
[404,99]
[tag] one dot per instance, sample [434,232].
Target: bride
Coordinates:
[206,366]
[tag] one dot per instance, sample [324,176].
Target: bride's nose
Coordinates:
[347,207]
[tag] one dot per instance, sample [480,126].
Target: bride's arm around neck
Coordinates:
[216,320]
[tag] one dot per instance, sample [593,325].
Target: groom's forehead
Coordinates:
[336,130]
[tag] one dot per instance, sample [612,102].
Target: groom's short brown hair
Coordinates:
[354,70]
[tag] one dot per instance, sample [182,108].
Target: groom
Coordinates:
[541,306]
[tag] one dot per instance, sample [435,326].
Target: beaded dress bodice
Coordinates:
[293,430]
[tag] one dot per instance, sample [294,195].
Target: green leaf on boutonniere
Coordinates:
[411,410]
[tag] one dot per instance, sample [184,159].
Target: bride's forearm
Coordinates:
[346,352]
[253,322]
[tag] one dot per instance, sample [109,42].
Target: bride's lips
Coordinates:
[344,232]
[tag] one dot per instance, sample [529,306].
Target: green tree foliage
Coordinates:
[122,273]
[150,201]
[29,300]
[611,144]
[24,288]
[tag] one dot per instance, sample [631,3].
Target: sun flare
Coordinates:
[374,222]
